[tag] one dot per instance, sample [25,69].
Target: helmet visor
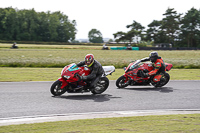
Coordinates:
[87,63]
[89,59]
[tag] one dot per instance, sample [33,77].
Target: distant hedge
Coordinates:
[60,65]
[60,43]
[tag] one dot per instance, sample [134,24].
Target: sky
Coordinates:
[107,16]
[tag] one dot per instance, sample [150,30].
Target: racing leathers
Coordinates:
[96,72]
[159,68]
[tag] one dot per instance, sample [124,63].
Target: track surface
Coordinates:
[19,99]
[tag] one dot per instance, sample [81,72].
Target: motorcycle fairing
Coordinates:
[64,82]
[127,78]
[108,70]
[68,74]
[131,72]
[168,66]
[157,78]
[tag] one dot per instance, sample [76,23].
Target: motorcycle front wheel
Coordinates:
[120,83]
[102,85]
[56,88]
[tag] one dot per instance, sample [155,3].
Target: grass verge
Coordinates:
[143,124]
[58,56]
[17,74]
[119,58]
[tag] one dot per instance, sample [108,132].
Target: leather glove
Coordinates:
[144,74]
[79,77]
[82,78]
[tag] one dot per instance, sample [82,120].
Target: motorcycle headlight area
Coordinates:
[67,77]
[130,74]
[62,71]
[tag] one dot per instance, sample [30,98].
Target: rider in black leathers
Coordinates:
[95,68]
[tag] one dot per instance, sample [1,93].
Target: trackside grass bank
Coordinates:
[16,74]
[53,57]
[142,124]
[35,62]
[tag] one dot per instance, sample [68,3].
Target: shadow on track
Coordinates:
[160,89]
[95,98]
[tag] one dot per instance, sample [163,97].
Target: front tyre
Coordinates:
[120,83]
[102,85]
[163,80]
[56,88]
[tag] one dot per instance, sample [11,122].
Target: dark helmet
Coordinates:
[89,59]
[153,56]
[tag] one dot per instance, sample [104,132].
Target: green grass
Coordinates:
[142,124]
[52,57]
[60,55]
[11,74]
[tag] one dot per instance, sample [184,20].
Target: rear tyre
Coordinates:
[163,80]
[120,83]
[56,88]
[101,86]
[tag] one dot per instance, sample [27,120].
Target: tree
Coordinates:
[120,36]
[135,25]
[136,30]
[27,21]
[171,29]
[8,23]
[95,36]
[190,28]
[43,29]
[28,25]
[170,25]
[152,31]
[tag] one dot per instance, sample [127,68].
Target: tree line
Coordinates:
[177,29]
[29,25]
[181,30]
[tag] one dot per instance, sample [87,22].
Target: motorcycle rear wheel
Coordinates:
[120,83]
[163,81]
[102,85]
[56,88]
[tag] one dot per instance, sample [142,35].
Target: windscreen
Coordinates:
[135,64]
[73,67]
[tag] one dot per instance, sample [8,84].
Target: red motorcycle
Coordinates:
[70,80]
[134,75]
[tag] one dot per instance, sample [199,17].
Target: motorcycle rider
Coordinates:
[95,68]
[157,63]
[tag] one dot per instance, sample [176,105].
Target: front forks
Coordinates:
[128,80]
[64,82]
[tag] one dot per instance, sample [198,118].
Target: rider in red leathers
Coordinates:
[158,64]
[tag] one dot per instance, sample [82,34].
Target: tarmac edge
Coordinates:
[91,115]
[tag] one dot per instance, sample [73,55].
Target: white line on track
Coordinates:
[91,115]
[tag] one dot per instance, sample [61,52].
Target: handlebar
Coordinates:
[77,75]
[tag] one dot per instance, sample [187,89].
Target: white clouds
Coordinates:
[108,16]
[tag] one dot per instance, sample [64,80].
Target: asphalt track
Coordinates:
[28,102]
